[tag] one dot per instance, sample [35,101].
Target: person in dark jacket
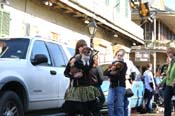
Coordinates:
[116,95]
[96,75]
[81,96]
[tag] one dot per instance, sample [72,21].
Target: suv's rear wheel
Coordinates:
[10,104]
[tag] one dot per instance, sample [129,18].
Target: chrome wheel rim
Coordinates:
[10,109]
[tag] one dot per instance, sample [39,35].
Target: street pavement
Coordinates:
[147,114]
[151,114]
[133,114]
[56,114]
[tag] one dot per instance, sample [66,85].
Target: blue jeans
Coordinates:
[116,101]
[148,98]
[127,108]
[167,100]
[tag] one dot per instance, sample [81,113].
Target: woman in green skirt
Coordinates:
[81,96]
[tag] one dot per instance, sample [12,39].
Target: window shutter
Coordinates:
[4,23]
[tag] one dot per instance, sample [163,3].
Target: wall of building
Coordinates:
[32,19]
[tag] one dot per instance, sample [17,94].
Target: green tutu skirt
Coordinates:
[82,93]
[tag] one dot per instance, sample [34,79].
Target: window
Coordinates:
[39,47]
[107,2]
[14,48]
[4,23]
[148,31]
[59,57]
[64,55]
[117,7]
[71,50]
[126,8]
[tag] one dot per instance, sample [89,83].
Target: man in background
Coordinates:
[149,87]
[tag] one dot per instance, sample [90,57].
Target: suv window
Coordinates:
[14,48]
[64,55]
[71,50]
[39,47]
[57,54]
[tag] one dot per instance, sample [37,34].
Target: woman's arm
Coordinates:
[100,75]
[67,69]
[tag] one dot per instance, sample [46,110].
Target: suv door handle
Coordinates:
[52,72]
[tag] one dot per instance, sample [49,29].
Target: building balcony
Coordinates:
[106,16]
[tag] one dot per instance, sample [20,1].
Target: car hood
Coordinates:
[105,85]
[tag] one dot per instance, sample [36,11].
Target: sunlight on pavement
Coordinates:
[150,114]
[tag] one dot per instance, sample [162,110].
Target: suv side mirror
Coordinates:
[39,58]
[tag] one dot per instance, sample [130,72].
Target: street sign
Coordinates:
[142,56]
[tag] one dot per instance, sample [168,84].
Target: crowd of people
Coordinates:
[85,97]
[161,86]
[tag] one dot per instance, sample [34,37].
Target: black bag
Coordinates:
[129,92]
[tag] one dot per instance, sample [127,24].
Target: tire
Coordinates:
[10,104]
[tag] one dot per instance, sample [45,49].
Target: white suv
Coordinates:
[31,75]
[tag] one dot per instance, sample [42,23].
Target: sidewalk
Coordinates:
[150,114]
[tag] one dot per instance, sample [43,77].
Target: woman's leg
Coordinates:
[149,102]
[94,108]
[110,101]
[119,101]
[127,108]
[102,97]
[167,100]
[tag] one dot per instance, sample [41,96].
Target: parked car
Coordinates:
[31,75]
[137,88]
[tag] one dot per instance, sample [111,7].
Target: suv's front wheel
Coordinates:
[10,104]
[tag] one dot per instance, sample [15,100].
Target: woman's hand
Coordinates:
[78,75]
[113,72]
[174,83]
[113,68]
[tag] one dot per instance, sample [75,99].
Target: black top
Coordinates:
[96,76]
[117,77]
[83,81]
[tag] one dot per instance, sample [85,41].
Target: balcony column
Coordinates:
[159,30]
[154,62]
[154,53]
[154,29]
